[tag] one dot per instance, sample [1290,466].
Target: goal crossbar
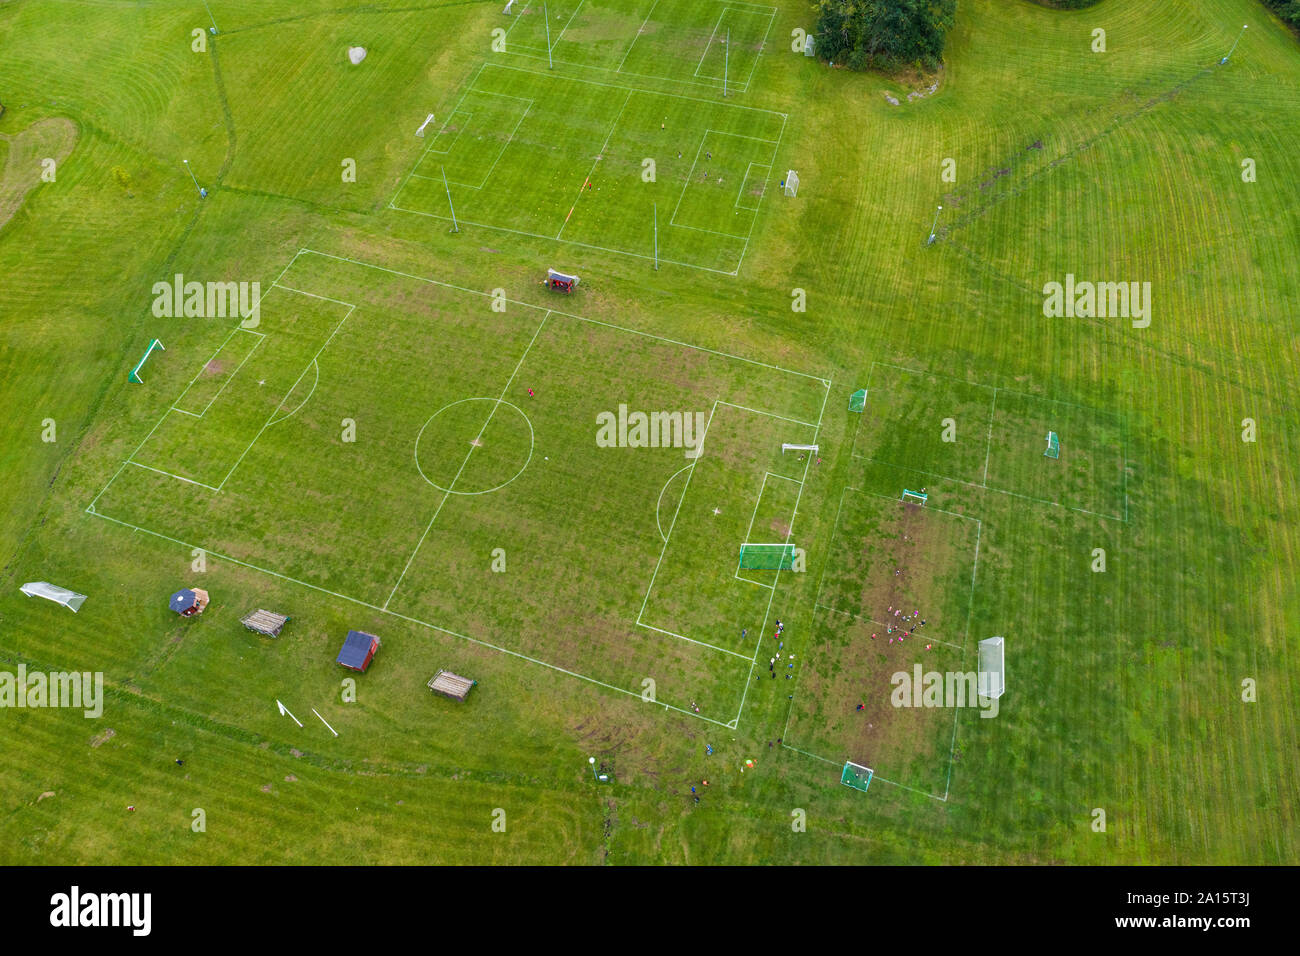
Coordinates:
[787,446]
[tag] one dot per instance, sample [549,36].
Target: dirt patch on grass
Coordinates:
[51,138]
[103,738]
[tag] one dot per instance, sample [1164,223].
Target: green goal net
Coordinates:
[856,776]
[858,400]
[767,557]
[1053,446]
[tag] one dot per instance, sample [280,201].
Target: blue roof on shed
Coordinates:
[356,648]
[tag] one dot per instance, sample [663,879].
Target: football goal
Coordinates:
[134,375]
[1053,446]
[914,497]
[767,557]
[992,672]
[791,184]
[856,776]
[858,400]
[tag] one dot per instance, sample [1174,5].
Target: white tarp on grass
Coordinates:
[52,592]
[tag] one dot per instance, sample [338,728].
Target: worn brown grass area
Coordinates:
[51,138]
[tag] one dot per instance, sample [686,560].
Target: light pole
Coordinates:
[1234,43]
[934,226]
[203,193]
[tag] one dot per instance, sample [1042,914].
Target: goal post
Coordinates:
[791,186]
[858,400]
[761,556]
[1053,446]
[856,776]
[134,375]
[914,497]
[992,669]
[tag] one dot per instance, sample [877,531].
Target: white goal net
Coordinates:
[791,183]
[992,672]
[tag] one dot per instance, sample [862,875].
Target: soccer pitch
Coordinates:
[493,454]
[656,175]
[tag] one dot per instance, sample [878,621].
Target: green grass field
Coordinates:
[404,439]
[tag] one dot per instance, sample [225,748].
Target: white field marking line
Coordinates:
[875,777]
[753,515]
[566,27]
[745,181]
[267,423]
[673,523]
[1009,391]
[814,756]
[759,411]
[996,491]
[952,745]
[733,8]
[229,378]
[723,235]
[690,180]
[988,447]
[170,475]
[474,445]
[572,242]
[211,358]
[460,129]
[518,17]
[709,45]
[661,498]
[569,315]
[762,45]
[420,159]
[404,617]
[301,404]
[639,31]
[313,295]
[753,220]
[662,78]
[504,147]
[690,176]
[767,612]
[777,580]
[599,156]
[634,89]
[691,640]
